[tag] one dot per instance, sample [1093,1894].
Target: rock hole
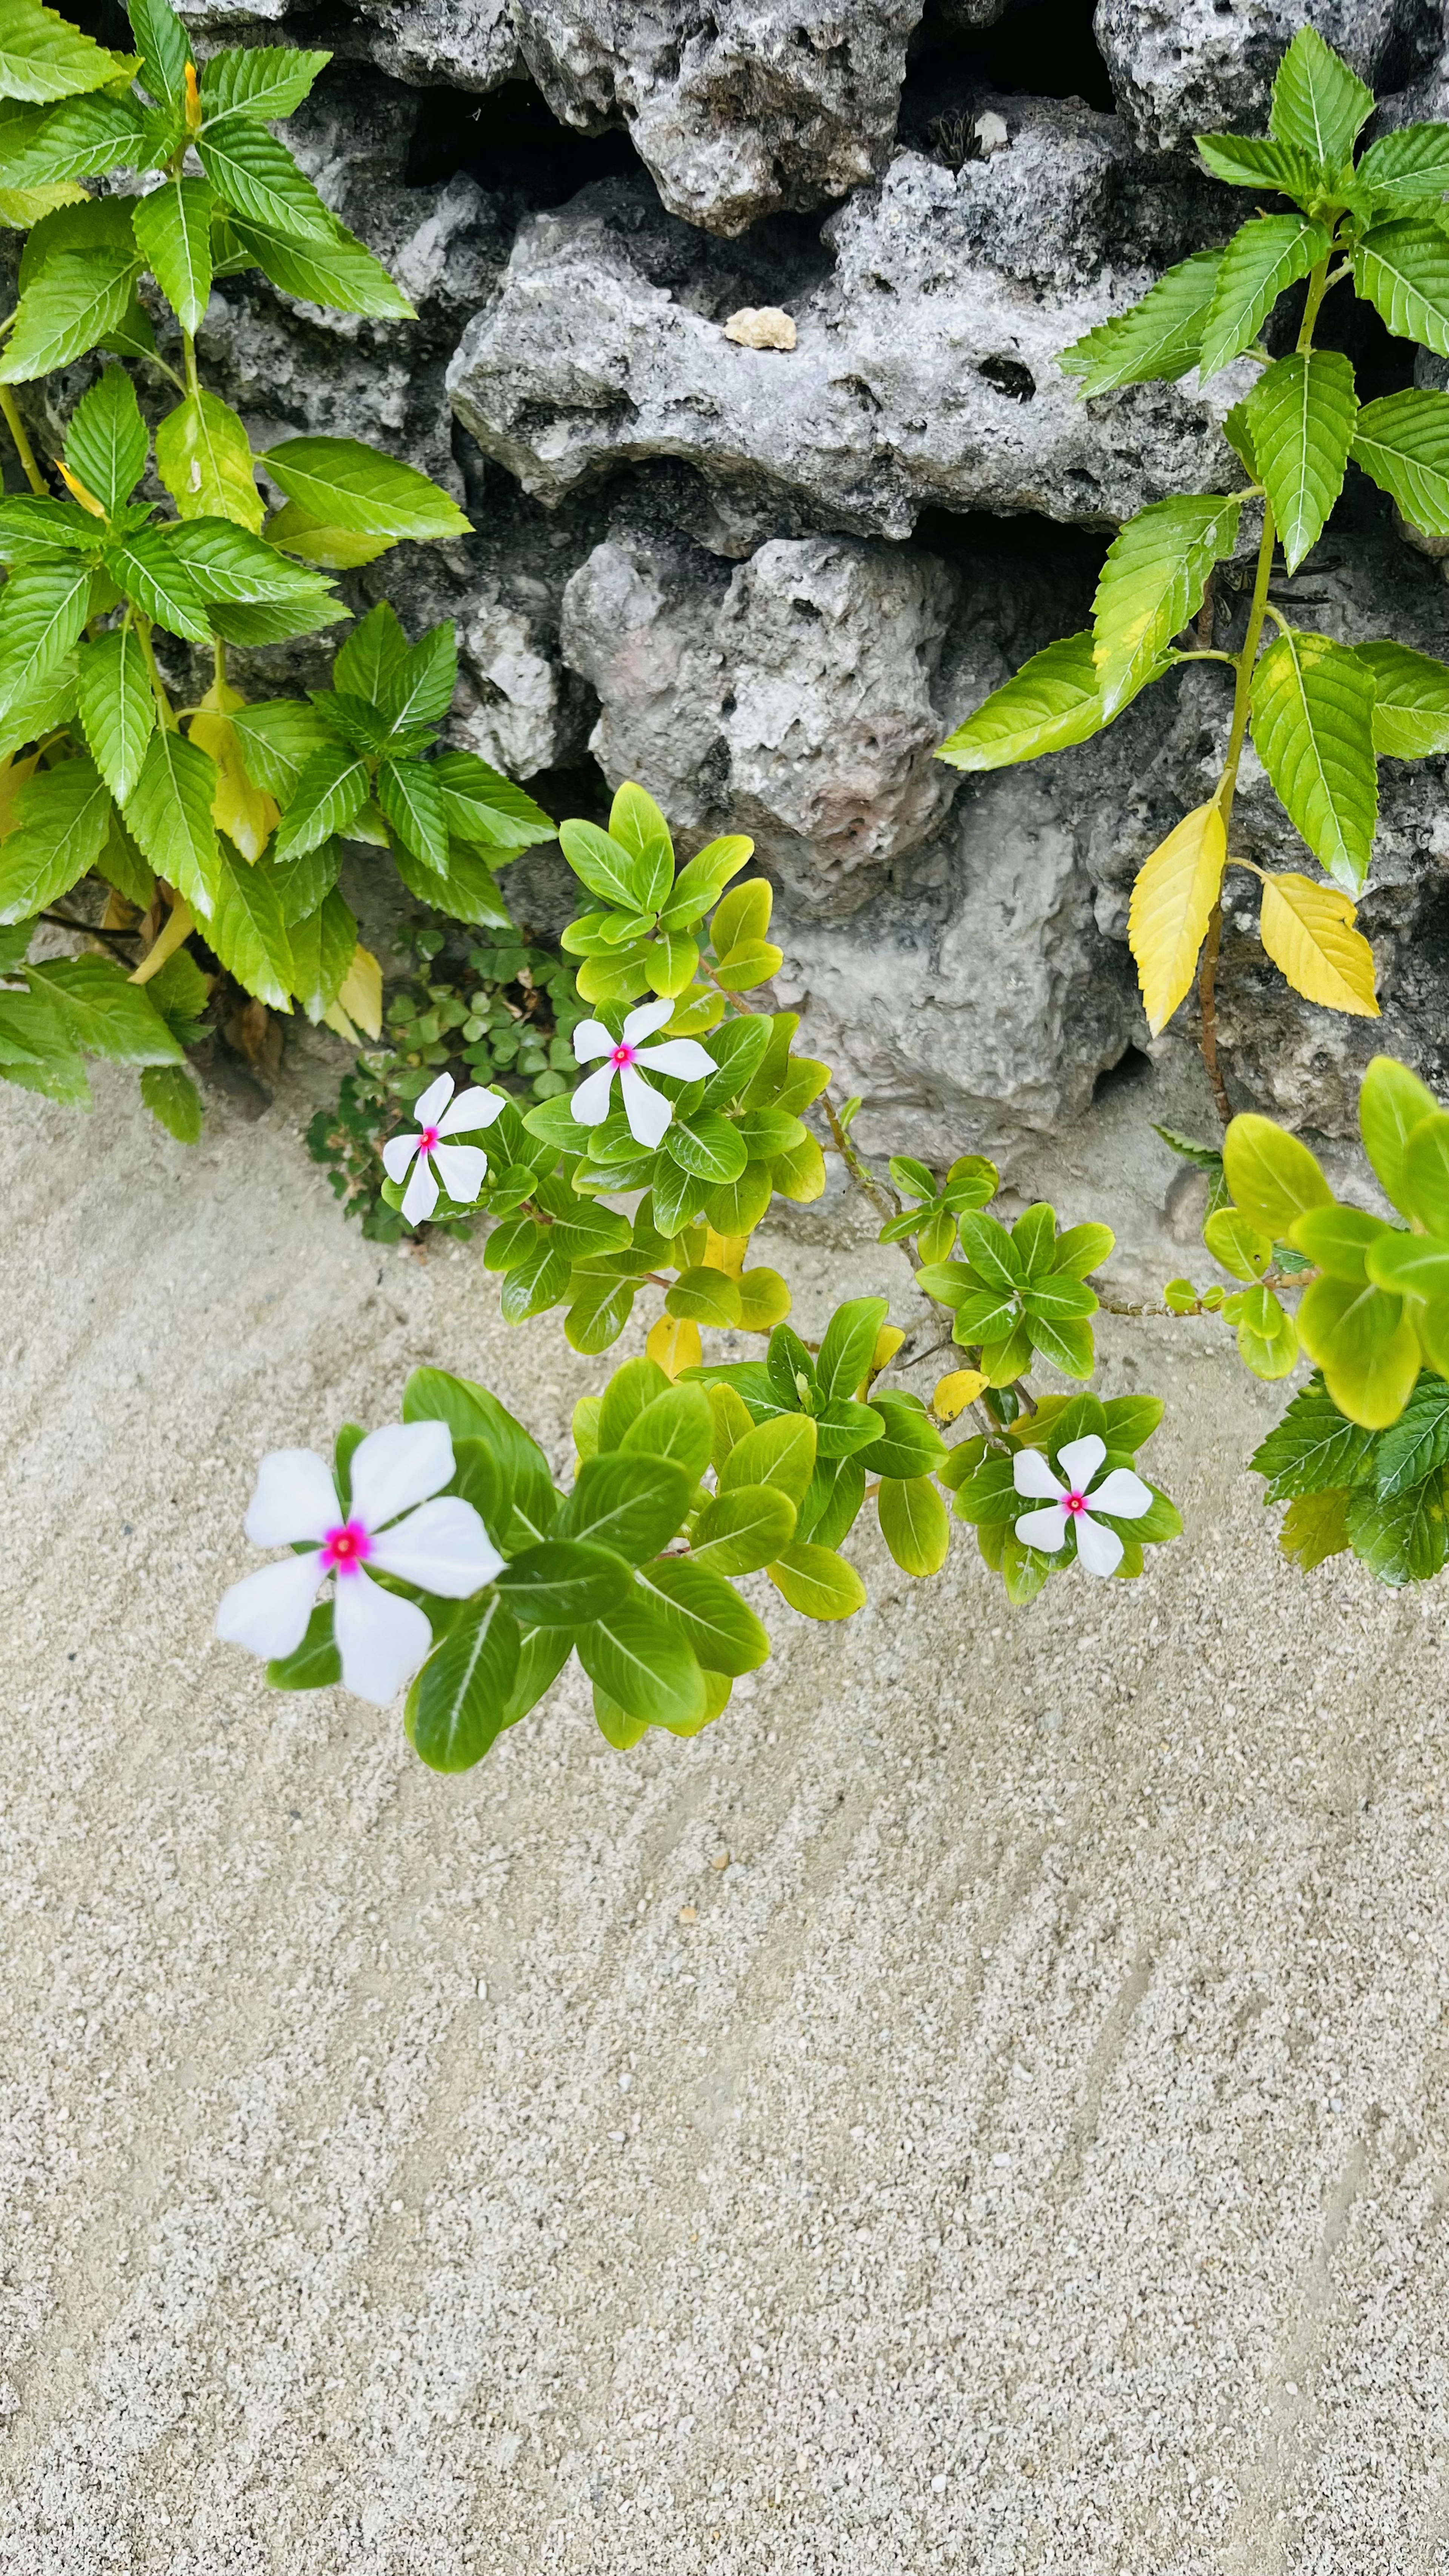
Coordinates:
[511,143]
[1040,48]
[1131,1068]
[1009,377]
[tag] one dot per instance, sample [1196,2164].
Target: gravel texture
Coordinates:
[980,2106]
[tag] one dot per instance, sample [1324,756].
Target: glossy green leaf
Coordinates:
[1160,336]
[745,1527]
[722,1630]
[909,1444]
[633,1505]
[1266,256]
[817,1582]
[1392,1102]
[780,1454]
[1267,1336]
[1365,1346]
[848,1344]
[1423,1176]
[677,1424]
[644,1664]
[42,56]
[563,1582]
[1319,104]
[1418,1443]
[117,707]
[329,795]
[173,235]
[1152,584]
[704,1296]
[169,815]
[1403,268]
[915,1524]
[1301,413]
[1402,440]
[1312,703]
[258,179]
[62,818]
[1053,701]
[1338,1239]
[458,1703]
[1235,1242]
[1272,1175]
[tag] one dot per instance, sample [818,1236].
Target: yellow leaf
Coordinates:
[1308,932]
[245,813]
[77,489]
[336,1019]
[674,1344]
[1172,903]
[360,993]
[725,1252]
[955,1392]
[887,1342]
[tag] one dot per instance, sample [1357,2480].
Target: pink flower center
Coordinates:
[428,1139]
[344,1548]
[623,1055]
[1074,1502]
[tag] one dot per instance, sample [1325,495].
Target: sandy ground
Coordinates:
[1029,2154]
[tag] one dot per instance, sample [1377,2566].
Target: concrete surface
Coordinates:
[981,2106]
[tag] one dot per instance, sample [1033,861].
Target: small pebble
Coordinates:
[761,326]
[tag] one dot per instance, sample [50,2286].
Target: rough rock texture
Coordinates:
[925,370]
[466,44]
[1180,67]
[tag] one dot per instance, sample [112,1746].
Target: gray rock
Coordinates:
[460,44]
[925,370]
[1180,67]
[791,700]
[738,110]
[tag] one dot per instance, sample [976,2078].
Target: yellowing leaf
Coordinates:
[955,1392]
[360,992]
[77,489]
[1172,904]
[674,1345]
[725,1252]
[246,814]
[887,1342]
[1308,932]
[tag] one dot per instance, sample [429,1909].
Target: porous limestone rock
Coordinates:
[925,370]
[1180,67]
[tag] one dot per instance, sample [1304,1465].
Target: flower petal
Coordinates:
[1080,1460]
[1031,1473]
[442,1547]
[429,1108]
[397,1153]
[1046,1530]
[590,1103]
[470,1111]
[642,1023]
[267,1612]
[1099,1549]
[294,1498]
[592,1039]
[462,1169]
[1123,1495]
[399,1466]
[421,1195]
[648,1112]
[381,1640]
[684,1058]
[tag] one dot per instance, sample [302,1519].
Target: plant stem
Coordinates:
[164,708]
[884,1201]
[177,929]
[1207,986]
[92,930]
[188,348]
[23,449]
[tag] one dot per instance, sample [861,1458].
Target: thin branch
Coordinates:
[93,930]
[1208,1014]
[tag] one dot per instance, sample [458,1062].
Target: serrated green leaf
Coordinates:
[322,945]
[1403,1539]
[149,572]
[76,140]
[1151,584]
[1052,702]
[1263,258]
[104,1011]
[227,563]
[339,272]
[483,807]
[1417,1443]
[248,932]
[373,655]
[329,795]
[43,608]
[117,707]
[349,485]
[1403,442]
[1312,705]
[165,51]
[278,737]
[258,179]
[79,301]
[263,81]
[1411,701]
[1301,413]
[169,815]
[420,691]
[42,56]
[61,820]
[1318,104]
[1160,336]
[466,892]
[173,1099]
[106,442]
[96,224]
[1406,166]
[204,458]
[1248,161]
[173,235]
[1403,268]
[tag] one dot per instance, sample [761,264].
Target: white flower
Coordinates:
[647,1110]
[442,1547]
[461,1169]
[1122,1494]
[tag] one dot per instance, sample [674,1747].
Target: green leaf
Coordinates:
[412,800]
[340,272]
[1160,336]
[96,223]
[258,179]
[745,1527]
[1237,1244]
[151,573]
[106,442]
[248,932]
[1272,1175]
[1054,701]
[817,1582]
[1318,103]
[80,300]
[677,1424]
[563,1582]
[1267,1337]
[204,458]
[1152,584]
[117,707]
[170,816]
[173,1099]
[605,866]
[1403,442]
[1338,1239]
[37,1053]
[1405,167]
[165,51]
[1423,1175]
[909,1446]
[458,1703]
[1365,1346]
[62,818]
[848,1347]
[723,1631]
[708,1146]
[1411,700]
[699,885]
[278,738]
[373,656]
[1391,1104]
[466,893]
[644,1664]
[42,611]
[629,1390]
[77,140]
[1266,256]
[780,1454]
[103,1011]
[545,1651]
[328,797]
[42,56]
[1312,703]
[481,806]
[915,1524]
[1245,161]
[633,1505]
[173,235]
[1417,1443]
[321,944]
[263,81]
[348,485]
[1403,268]
[703,1296]
[1402,1540]
[1315,1528]
[636,823]
[1301,413]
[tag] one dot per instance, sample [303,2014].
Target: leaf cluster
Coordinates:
[1020,1293]
[979,1475]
